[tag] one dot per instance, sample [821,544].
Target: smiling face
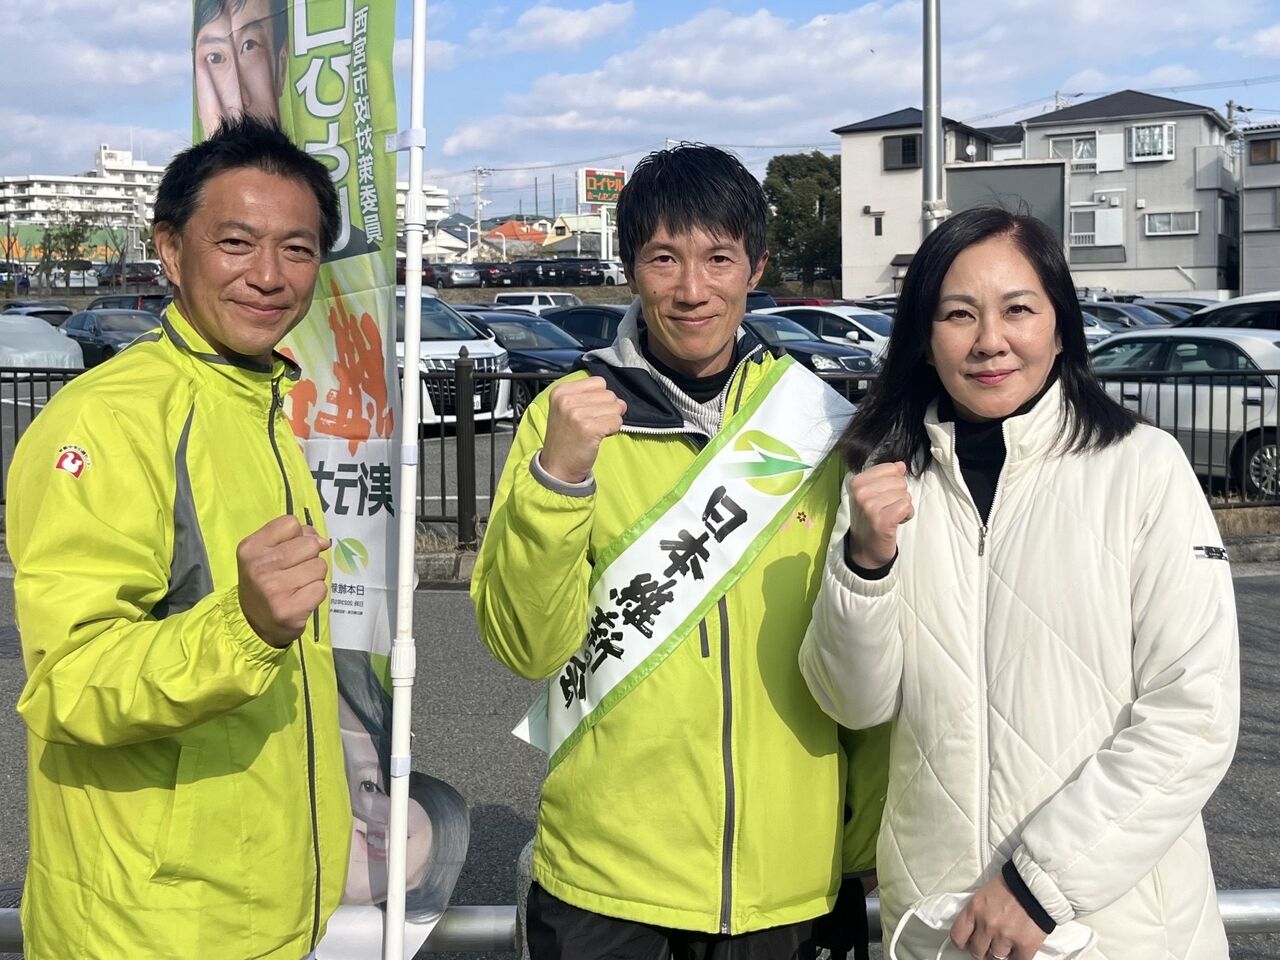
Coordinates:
[245,263]
[238,68]
[994,334]
[693,287]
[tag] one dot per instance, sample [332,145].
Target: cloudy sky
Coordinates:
[523,86]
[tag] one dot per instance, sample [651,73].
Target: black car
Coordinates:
[535,345]
[151,302]
[811,350]
[104,333]
[594,324]
[759,299]
[496,274]
[589,272]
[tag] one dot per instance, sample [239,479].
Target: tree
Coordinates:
[803,190]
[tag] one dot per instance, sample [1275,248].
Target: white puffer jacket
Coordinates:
[1065,694]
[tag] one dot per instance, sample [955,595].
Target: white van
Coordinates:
[444,333]
[536,302]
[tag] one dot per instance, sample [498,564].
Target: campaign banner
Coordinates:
[323,70]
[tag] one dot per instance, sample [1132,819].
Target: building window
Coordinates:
[1173,224]
[1081,151]
[1264,151]
[879,226]
[902,153]
[1082,228]
[1152,141]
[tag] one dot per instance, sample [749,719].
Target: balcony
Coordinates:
[1083,239]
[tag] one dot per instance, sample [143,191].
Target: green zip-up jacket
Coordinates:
[712,797]
[186,794]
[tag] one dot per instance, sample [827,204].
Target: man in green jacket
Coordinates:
[671,503]
[185,774]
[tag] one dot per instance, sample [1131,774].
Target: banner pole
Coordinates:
[403,654]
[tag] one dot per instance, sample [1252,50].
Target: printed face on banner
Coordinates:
[240,61]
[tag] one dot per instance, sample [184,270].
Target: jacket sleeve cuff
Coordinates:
[256,650]
[879,573]
[850,577]
[584,489]
[1026,899]
[1042,887]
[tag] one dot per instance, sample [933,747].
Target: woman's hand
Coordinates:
[879,504]
[993,926]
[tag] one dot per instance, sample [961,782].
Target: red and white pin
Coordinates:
[73,460]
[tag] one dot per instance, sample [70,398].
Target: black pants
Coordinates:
[557,931]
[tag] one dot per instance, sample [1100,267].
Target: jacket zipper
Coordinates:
[730,797]
[302,660]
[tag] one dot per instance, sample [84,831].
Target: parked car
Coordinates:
[496,274]
[615,275]
[444,332]
[112,275]
[457,275]
[804,302]
[594,325]
[54,314]
[1186,303]
[842,323]
[1094,331]
[1258,311]
[1171,312]
[430,273]
[1118,316]
[536,302]
[1225,417]
[104,333]
[811,350]
[589,272]
[544,273]
[760,300]
[27,341]
[151,302]
[534,345]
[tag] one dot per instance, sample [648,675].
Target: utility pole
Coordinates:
[553,196]
[933,207]
[537,209]
[481,173]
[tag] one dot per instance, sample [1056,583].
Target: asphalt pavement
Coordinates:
[466,704]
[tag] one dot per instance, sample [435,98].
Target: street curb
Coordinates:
[1253,549]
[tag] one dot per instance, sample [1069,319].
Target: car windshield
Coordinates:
[1147,318]
[773,330]
[439,321]
[133,322]
[532,335]
[564,299]
[879,323]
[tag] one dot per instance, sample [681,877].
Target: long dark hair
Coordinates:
[889,423]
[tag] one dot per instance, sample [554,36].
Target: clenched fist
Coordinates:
[282,573]
[580,415]
[879,504]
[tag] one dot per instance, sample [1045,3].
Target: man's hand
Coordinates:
[879,504]
[994,925]
[580,415]
[281,578]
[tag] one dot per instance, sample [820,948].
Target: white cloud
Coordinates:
[440,55]
[38,144]
[546,27]
[1261,43]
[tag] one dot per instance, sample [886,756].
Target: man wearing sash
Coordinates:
[654,552]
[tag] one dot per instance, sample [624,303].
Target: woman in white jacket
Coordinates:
[1030,584]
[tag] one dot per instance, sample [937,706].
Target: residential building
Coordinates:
[437,205]
[118,190]
[1260,208]
[1153,200]
[1141,188]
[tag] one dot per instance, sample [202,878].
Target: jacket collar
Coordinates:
[1028,436]
[241,373]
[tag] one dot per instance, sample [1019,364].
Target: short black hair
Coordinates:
[889,423]
[240,142]
[209,10]
[688,186]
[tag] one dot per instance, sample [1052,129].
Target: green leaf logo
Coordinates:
[768,464]
[351,556]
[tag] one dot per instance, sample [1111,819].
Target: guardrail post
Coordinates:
[464,389]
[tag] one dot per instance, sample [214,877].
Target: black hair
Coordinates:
[688,186]
[889,423]
[209,10]
[240,142]
[363,692]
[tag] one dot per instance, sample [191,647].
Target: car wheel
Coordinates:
[610,282]
[521,397]
[1260,468]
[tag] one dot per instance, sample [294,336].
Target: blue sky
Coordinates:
[523,85]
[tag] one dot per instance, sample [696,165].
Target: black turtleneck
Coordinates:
[698,389]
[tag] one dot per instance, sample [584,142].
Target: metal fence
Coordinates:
[1226,422]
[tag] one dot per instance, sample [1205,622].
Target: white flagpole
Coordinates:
[402,646]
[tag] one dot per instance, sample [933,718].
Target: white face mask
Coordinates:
[930,935]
